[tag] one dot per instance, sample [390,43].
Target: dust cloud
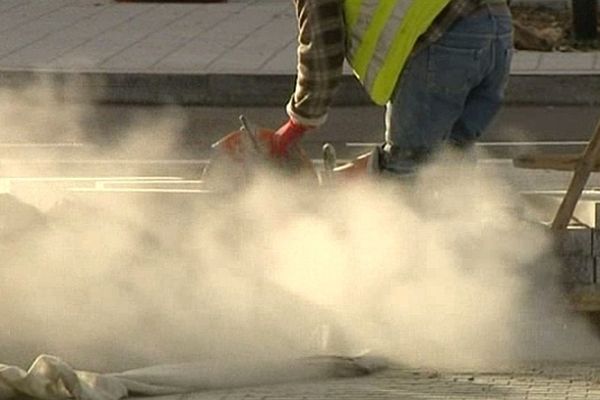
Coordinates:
[439,272]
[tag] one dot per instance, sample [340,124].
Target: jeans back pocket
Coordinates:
[453,69]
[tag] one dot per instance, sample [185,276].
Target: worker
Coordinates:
[439,66]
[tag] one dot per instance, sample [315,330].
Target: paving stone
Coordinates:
[11,4]
[283,61]
[567,62]
[570,383]
[579,270]
[197,55]
[158,45]
[51,47]
[525,61]
[247,39]
[52,20]
[27,11]
[251,36]
[576,242]
[110,44]
[256,50]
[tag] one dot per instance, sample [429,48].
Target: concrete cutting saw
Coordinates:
[237,156]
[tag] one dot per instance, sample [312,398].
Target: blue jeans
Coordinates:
[449,91]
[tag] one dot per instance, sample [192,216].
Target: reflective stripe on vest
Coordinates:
[380,37]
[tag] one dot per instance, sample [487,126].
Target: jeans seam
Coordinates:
[494,58]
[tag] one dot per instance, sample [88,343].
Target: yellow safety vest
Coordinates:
[380,36]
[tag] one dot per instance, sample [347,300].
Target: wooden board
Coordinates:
[556,162]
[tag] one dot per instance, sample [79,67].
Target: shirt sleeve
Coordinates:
[320,59]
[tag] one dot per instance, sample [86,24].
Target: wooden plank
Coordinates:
[555,162]
[580,177]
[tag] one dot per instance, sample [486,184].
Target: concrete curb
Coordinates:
[554,89]
[264,90]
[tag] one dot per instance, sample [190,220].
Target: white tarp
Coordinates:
[50,378]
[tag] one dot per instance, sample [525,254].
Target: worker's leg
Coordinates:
[431,95]
[484,101]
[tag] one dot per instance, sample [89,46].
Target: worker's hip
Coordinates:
[472,49]
[460,77]
[486,23]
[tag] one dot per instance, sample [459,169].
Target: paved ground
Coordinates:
[238,52]
[242,52]
[240,36]
[543,382]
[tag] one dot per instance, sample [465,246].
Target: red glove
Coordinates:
[285,137]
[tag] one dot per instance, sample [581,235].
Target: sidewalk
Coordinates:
[237,53]
[549,382]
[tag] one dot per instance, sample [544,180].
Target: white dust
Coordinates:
[442,272]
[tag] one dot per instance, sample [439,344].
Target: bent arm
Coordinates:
[320,59]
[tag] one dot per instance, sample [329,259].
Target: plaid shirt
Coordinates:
[321,53]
